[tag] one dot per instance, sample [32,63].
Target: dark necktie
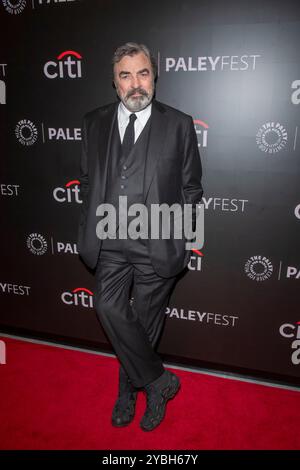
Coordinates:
[128,140]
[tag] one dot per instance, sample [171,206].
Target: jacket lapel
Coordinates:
[105,128]
[157,137]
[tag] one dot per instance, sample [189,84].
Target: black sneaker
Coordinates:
[158,393]
[124,408]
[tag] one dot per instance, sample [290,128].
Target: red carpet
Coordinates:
[54,398]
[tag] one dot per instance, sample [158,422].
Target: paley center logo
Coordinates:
[14,7]
[26,132]
[37,244]
[79,297]
[259,268]
[271,137]
[292,331]
[69,193]
[66,65]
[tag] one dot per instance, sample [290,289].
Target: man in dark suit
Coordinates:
[147,151]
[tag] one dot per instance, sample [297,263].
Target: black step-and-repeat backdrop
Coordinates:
[235,67]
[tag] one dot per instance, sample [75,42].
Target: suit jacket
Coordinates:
[172,175]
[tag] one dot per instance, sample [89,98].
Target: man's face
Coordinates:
[134,81]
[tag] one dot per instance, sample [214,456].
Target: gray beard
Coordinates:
[135,104]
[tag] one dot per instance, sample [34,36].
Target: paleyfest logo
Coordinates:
[271,137]
[259,268]
[26,132]
[210,63]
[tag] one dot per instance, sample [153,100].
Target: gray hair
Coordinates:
[132,48]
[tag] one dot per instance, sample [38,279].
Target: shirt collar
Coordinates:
[142,116]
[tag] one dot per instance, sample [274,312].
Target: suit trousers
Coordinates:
[130,301]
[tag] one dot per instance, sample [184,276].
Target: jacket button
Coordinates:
[124,167]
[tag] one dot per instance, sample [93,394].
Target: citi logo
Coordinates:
[26,132]
[80,296]
[67,65]
[288,330]
[201,129]
[195,262]
[69,194]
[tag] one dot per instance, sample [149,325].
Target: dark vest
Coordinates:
[126,176]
